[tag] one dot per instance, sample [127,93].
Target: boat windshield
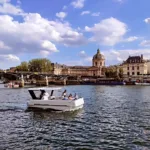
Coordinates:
[38,94]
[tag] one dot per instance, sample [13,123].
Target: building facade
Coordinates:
[97,68]
[136,65]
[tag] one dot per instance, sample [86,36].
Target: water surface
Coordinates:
[113,118]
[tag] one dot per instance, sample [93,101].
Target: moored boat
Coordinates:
[53,102]
[144,83]
[103,82]
[11,85]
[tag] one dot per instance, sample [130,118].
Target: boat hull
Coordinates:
[58,105]
[144,84]
[11,85]
[103,83]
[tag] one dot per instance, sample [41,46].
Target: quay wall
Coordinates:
[84,81]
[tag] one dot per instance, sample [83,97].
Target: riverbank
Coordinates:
[60,82]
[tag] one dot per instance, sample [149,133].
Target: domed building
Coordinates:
[98,59]
[98,63]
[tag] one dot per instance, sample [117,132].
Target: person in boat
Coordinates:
[75,96]
[45,96]
[70,97]
[65,98]
[64,94]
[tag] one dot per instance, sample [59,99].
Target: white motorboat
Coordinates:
[11,85]
[53,102]
[144,83]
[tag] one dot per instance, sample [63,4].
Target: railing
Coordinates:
[27,72]
[130,76]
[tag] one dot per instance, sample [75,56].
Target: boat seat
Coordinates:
[52,97]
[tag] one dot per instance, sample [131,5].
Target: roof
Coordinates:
[79,67]
[93,68]
[98,55]
[45,88]
[134,59]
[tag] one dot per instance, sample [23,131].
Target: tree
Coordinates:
[40,65]
[114,72]
[22,67]
[111,72]
[121,73]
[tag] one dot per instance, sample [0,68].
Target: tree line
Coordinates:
[114,72]
[35,65]
[45,65]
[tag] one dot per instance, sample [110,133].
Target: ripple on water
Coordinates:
[116,117]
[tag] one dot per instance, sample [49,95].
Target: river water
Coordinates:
[113,118]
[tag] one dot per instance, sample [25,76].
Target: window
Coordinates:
[128,73]
[138,73]
[128,68]
[132,73]
[95,63]
[138,67]
[132,67]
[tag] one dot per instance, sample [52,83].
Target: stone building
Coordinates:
[97,68]
[136,65]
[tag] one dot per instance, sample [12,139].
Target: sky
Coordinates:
[70,31]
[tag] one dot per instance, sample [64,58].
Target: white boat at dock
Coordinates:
[11,85]
[144,83]
[53,102]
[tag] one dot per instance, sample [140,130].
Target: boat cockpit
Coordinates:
[38,93]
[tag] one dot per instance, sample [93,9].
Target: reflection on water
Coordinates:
[113,117]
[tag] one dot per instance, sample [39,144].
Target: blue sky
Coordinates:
[70,31]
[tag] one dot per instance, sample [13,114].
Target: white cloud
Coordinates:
[112,56]
[8,8]
[82,54]
[84,57]
[108,32]
[35,34]
[49,46]
[81,62]
[118,56]
[12,59]
[44,53]
[3,46]
[78,3]
[147,20]
[85,12]
[131,39]
[96,14]
[88,59]
[61,15]
[145,43]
